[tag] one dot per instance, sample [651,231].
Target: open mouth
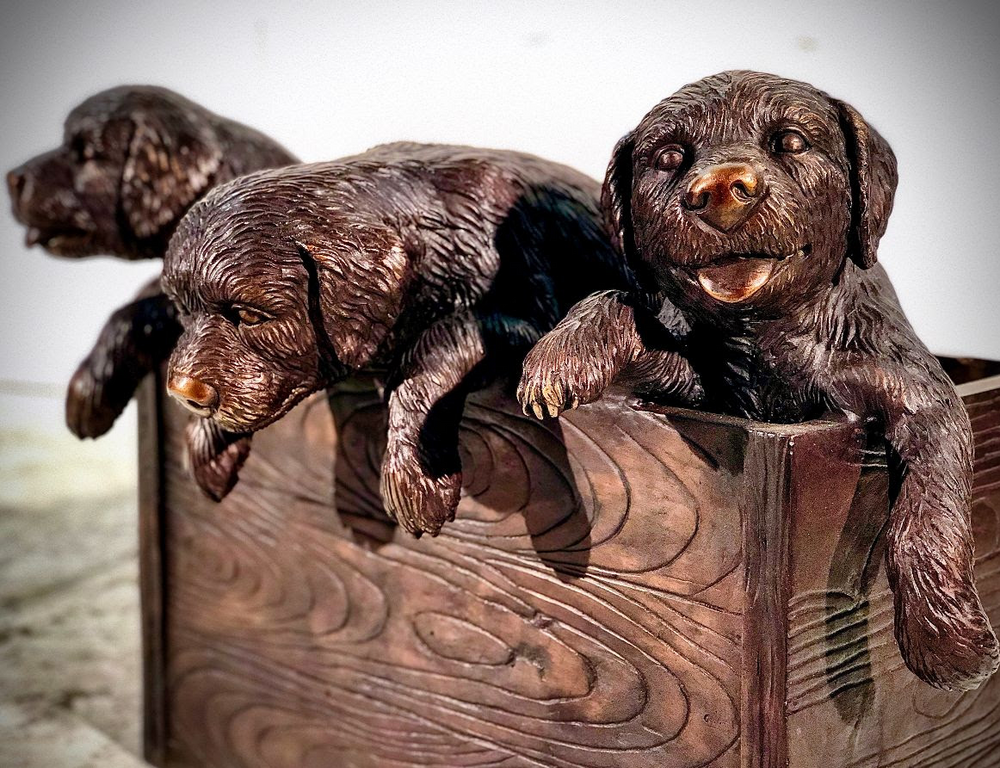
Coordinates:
[737,277]
[56,239]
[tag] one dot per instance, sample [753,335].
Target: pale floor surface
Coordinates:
[70,666]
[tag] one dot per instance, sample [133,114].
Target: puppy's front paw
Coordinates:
[544,393]
[418,502]
[90,409]
[552,383]
[216,456]
[944,635]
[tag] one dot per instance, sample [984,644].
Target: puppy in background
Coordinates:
[132,161]
[433,268]
[756,204]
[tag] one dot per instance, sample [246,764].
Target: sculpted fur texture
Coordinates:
[433,268]
[755,204]
[132,161]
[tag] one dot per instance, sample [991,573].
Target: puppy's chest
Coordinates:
[760,377]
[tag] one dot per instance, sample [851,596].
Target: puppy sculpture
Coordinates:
[435,267]
[132,161]
[756,205]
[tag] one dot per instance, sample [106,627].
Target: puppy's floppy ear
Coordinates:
[359,290]
[616,197]
[616,202]
[172,160]
[873,184]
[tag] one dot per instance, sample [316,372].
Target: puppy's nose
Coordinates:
[195,395]
[15,184]
[724,195]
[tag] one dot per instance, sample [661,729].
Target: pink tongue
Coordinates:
[737,280]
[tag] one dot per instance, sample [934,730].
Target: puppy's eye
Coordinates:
[669,158]
[248,316]
[789,142]
[81,149]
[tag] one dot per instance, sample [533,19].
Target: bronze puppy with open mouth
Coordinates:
[132,161]
[756,205]
[432,267]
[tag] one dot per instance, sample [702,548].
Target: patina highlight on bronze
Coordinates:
[132,161]
[433,268]
[755,204]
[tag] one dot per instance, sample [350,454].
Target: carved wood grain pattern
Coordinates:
[585,609]
[572,616]
[849,694]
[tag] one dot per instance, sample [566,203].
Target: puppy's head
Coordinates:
[133,159]
[279,295]
[749,190]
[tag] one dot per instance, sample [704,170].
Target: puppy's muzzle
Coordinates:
[724,195]
[197,396]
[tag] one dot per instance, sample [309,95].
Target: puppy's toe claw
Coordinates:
[525,396]
[519,393]
[552,392]
[554,397]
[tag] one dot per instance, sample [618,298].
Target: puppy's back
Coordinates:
[519,228]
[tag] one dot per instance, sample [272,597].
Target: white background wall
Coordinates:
[561,80]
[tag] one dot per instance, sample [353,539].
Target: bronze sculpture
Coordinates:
[753,203]
[756,204]
[433,267]
[133,160]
